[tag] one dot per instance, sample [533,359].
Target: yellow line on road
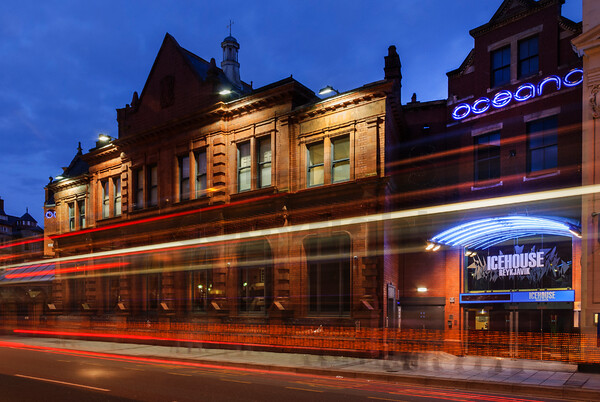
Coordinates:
[186,375]
[62,382]
[241,382]
[305,389]
[386,399]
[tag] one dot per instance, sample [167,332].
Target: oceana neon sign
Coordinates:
[522,93]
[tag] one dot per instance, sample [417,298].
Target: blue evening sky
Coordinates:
[65,66]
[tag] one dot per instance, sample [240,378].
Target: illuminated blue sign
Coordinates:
[521,94]
[533,296]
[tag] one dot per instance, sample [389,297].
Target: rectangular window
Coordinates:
[528,57]
[201,174]
[340,159]
[244,166]
[117,196]
[138,177]
[81,206]
[184,178]
[542,144]
[152,186]
[264,162]
[316,168]
[501,66]
[105,198]
[487,156]
[71,207]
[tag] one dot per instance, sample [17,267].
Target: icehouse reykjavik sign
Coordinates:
[522,93]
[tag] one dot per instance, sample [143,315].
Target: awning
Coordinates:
[28,273]
[483,233]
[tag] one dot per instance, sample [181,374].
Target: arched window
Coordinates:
[255,273]
[329,268]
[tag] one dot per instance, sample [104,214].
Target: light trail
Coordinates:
[312,226]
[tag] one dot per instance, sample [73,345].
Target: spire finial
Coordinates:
[229,26]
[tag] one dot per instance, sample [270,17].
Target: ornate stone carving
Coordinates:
[594,101]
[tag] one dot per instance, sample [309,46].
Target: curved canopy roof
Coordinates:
[483,233]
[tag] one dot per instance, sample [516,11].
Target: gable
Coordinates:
[179,84]
[512,10]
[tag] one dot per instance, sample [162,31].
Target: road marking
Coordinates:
[242,382]
[186,375]
[133,368]
[386,399]
[62,382]
[305,389]
[67,361]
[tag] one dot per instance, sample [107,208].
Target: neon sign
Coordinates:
[521,94]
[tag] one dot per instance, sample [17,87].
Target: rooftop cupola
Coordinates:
[230,64]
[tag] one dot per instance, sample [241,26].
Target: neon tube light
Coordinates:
[484,233]
[522,93]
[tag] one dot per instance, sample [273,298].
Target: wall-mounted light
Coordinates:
[575,231]
[431,246]
[421,290]
[225,92]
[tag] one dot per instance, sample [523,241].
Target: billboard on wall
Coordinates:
[529,265]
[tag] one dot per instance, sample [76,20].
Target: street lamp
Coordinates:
[328,89]
[105,138]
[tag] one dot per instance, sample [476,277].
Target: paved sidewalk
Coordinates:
[522,377]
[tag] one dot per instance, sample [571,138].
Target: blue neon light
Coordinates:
[567,80]
[547,80]
[461,111]
[532,296]
[501,99]
[476,109]
[522,93]
[483,233]
[519,98]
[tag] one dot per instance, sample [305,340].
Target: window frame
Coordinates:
[546,132]
[105,198]
[71,215]
[201,189]
[138,176]
[117,196]
[183,173]
[504,66]
[245,169]
[81,211]
[310,167]
[335,162]
[152,183]
[254,257]
[262,163]
[479,147]
[529,58]
[319,268]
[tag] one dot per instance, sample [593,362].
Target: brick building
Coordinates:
[588,45]
[222,202]
[511,127]
[21,297]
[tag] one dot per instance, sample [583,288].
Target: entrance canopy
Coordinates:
[483,233]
